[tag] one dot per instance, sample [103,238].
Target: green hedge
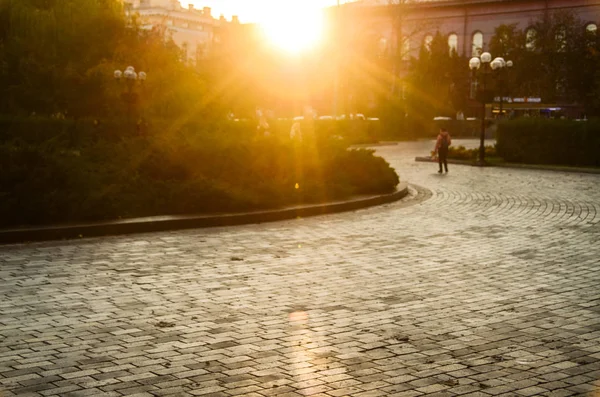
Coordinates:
[556,142]
[413,128]
[56,171]
[462,153]
[458,128]
[352,131]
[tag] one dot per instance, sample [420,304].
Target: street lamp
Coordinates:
[499,64]
[475,64]
[131,78]
[483,64]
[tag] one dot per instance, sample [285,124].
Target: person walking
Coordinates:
[441,148]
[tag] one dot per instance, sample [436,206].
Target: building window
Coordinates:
[406,49]
[477,44]
[591,28]
[383,46]
[530,39]
[427,42]
[453,43]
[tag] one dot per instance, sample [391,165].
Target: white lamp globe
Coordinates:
[486,57]
[509,64]
[474,63]
[118,74]
[142,76]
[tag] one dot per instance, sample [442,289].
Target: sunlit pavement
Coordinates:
[486,282]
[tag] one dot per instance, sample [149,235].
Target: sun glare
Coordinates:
[295,30]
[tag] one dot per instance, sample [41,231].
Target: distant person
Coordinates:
[263,124]
[441,148]
[296,131]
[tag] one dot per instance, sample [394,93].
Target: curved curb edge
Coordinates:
[167,223]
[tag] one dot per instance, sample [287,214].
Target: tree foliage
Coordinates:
[438,80]
[558,63]
[56,171]
[58,56]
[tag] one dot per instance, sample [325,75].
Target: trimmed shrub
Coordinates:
[458,128]
[57,171]
[364,172]
[462,153]
[555,142]
[413,128]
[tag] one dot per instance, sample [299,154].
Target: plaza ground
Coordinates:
[482,282]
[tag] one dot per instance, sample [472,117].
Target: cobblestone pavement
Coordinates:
[487,285]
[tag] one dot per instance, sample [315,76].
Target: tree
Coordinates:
[438,80]
[58,56]
[557,61]
[507,42]
[49,46]
[405,32]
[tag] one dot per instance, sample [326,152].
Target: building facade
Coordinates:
[195,31]
[467,24]
[402,27]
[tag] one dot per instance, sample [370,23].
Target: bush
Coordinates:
[55,171]
[542,141]
[364,172]
[413,128]
[352,131]
[458,128]
[462,153]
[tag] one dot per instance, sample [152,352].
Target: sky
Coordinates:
[258,10]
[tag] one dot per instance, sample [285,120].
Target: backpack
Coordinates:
[444,143]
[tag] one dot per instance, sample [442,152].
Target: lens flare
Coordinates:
[294,29]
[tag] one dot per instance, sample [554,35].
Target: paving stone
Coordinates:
[560,393]
[531,391]
[482,282]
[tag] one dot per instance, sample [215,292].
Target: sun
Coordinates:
[295,30]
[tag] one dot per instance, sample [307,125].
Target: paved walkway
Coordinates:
[486,283]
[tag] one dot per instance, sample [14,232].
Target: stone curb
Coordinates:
[165,223]
[519,166]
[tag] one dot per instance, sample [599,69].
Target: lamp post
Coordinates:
[131,78]
[476,63]
[499,64]
[483,64]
